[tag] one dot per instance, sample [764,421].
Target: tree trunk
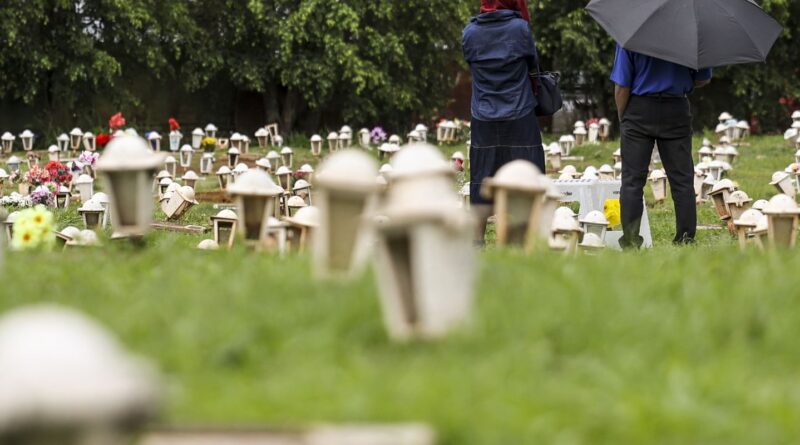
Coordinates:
[291,107]
[271,106]
[314,117]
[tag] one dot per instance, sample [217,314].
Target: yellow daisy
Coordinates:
[33,229]
[26,237]
[41,217]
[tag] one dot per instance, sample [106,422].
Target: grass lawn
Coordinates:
[667,346]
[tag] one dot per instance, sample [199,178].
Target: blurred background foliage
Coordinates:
[312,64]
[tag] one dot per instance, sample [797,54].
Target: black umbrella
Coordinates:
[693,33]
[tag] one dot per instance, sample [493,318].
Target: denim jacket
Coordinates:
[500,51]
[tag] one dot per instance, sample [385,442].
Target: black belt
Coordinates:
[665,96]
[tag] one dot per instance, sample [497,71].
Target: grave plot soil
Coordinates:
[217,197]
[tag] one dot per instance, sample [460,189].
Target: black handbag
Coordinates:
[548,93]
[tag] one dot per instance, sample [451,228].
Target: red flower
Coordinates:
[58,172]
[103,139]
[116,121]
[174,125]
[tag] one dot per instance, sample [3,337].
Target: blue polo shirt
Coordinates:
[647,75]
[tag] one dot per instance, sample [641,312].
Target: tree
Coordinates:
[571,42]
[62,54]
[360,61]
[50,50]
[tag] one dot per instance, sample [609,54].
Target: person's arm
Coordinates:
[702,78]
[622,75]
[531,54]
[622,95]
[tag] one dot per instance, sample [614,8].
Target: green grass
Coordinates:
[666,346]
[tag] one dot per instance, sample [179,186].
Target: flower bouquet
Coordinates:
[175,135]
[36,176]
[378,135]
[33,230]
[88,159]
[116,122]
[33,178]
[59,173]
[16,200]
[208,144]
[43,196]
[103,139]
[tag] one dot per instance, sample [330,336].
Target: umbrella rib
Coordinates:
[642,25]
[645,51]
[697,40]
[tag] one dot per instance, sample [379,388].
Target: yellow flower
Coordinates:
[25,237]
[41,217]
[613,212]
[209,141]
[33,229]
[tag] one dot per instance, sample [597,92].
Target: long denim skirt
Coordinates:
[496,143]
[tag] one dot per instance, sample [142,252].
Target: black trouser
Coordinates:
[666,121]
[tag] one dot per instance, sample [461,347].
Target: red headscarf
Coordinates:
[520,6]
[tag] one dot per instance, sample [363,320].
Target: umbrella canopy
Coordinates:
[693,33]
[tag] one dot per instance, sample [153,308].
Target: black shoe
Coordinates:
[631,243]
[684,240]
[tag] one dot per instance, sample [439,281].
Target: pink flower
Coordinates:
[116,121]
[87,157]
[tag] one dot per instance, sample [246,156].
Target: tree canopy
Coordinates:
[317,61]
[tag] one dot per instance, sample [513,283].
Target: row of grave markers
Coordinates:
[271,215]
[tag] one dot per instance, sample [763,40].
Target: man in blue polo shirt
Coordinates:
[653,107]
